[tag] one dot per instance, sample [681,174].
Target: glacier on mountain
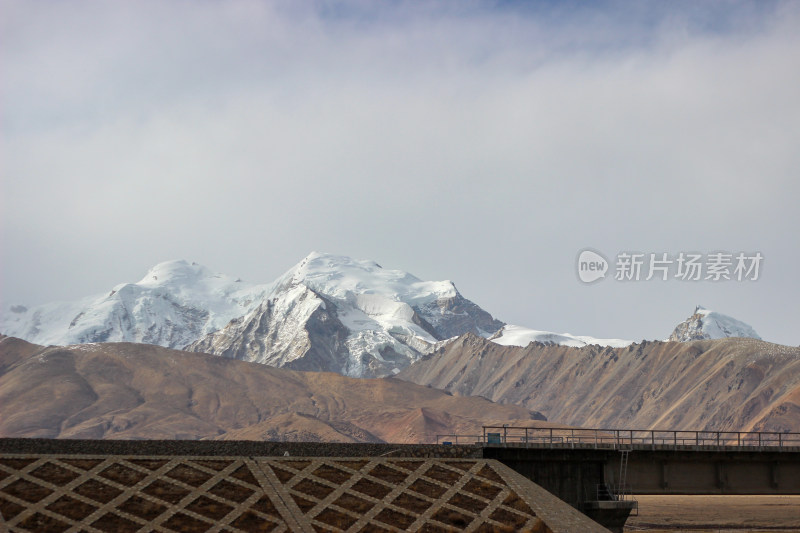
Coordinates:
[511,335]
[174,304]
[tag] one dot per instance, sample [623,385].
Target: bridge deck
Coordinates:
[642,446]
[629,439]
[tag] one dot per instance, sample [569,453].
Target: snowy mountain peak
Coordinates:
[340,276]
[174,304]
[707,324]
[180,271]
[193,283]
[371,320]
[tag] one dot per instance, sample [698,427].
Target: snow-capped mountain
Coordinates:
[328,313]
[511,335]
[174,304]
[707,324]
[703,324]
[353,317]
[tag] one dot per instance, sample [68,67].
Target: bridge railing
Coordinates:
[619,439]
[452,438]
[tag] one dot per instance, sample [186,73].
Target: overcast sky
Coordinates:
[482,142]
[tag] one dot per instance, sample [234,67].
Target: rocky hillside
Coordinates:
[137,391]
[725,384]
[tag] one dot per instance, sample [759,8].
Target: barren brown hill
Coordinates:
[139,391]
[725,384]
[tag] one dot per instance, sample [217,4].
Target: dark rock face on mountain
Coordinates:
[139,391]
[312,338]
[454,316]
[731,384]
[355,318]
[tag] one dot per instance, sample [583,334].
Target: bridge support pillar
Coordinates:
[774,475]
[610,514]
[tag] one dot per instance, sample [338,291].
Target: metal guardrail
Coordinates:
[620,439]
[458,439]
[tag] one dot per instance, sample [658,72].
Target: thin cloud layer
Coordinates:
[480,142]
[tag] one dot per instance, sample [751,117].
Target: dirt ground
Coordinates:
[662,514]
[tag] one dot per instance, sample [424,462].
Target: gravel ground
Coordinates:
[686,514]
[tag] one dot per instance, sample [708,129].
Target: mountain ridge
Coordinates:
[732,384]
[174,302]
[135,391]
[326,313]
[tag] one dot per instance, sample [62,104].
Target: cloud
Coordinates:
[482,142]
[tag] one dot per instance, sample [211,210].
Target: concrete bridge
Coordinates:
[598,471]
[595,471]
